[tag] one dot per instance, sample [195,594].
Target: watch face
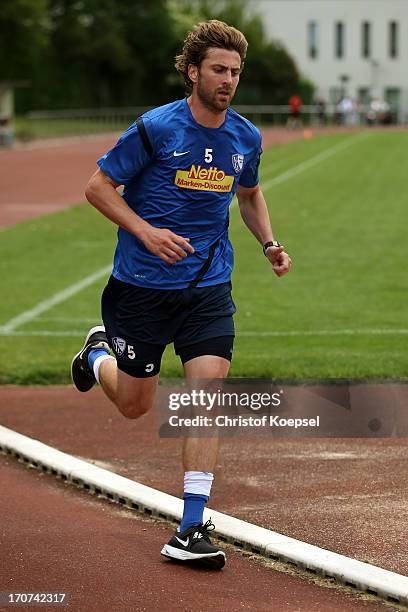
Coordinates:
[271,243]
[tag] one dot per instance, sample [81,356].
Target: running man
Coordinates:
[180,165]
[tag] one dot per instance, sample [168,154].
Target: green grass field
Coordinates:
[341,312]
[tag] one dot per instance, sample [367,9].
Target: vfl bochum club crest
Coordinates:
[238,162]
[119,345]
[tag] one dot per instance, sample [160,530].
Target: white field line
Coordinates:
[272,167]
[313,161]
[55,299]
[309,163]
[254,334]
[66,321]
[327,332]
[268,543]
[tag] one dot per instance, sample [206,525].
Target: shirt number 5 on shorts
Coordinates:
[208,157]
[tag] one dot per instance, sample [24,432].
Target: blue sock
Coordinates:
[193,510]
[94,354]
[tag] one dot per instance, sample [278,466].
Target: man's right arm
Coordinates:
[101,193]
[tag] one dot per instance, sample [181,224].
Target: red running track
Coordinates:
[255,480]
[47,176]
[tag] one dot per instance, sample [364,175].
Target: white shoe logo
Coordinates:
[198,535]
[183,542]
[178,154]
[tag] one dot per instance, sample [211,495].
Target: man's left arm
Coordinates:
[255,215]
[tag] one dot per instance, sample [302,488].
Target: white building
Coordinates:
[353,47]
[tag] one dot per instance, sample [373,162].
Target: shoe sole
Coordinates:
[93,330]
[214,560]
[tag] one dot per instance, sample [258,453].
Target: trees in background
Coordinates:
[270,75]
[23,37]
[98,53]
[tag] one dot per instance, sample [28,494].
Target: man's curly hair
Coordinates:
[205,35]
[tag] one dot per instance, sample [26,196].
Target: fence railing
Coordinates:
[45,124]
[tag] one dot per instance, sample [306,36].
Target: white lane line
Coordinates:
[254,334]
[55,299]
[309,163]
[272,167]
[313,161]
[326,332]
[268,543]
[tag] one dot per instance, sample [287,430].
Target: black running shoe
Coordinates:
[194,544]
[81,374]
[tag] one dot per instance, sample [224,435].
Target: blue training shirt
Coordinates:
[186,186]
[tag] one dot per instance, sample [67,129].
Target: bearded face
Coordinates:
[216,80]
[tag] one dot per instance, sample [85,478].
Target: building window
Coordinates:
[335,94]
[364,96]
[366,39]
[339,33]
[312,43]
[393,97]
[393,39]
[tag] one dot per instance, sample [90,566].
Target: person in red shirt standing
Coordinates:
[295,112]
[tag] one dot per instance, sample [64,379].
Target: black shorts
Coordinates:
[140,322]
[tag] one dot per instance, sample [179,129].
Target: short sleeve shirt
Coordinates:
[186,185]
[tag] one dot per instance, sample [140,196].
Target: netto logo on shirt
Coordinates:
[204,179]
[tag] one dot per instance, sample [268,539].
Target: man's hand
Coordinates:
[280,260]
[165,244]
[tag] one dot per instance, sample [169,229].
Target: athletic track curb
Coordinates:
[350,572]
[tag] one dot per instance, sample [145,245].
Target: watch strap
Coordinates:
[270,243]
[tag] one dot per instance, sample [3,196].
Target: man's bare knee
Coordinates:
[133,408]
[135,396]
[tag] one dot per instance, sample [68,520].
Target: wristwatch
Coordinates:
[271,243]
